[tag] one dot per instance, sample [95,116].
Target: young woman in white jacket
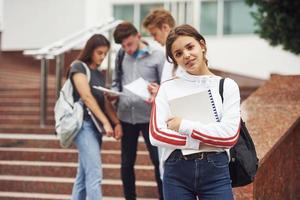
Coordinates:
[195,155]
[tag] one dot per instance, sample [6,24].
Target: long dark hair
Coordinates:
[183,30]
[97,40]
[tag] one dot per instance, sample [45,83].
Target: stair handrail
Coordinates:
[85,37]
[75,38]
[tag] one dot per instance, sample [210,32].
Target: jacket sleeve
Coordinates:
[224,133]
[160,135]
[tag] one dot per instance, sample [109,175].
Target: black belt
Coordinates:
[177,155]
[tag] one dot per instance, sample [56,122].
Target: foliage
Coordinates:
[278,21]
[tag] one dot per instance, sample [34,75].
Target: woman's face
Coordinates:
[99,55]
[189,54]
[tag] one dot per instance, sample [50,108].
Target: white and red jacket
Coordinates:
[218,136]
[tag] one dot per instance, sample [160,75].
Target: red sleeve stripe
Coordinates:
[163,136]
[218,138]
[214,142]
[164,139]
[159,131]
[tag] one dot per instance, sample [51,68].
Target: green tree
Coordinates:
[278,21]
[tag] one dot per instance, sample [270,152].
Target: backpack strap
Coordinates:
[87,70]
[119,68]
[221,88]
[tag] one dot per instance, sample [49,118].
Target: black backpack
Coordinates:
[119,69]
[243,159]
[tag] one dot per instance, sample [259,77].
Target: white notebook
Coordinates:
[195,107]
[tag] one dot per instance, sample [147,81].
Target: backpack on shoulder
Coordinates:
[243,158]
[68,114]
[119,69]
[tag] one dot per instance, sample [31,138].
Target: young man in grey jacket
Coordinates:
[138,60]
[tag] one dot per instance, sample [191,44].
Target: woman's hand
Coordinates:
[153,89]
[174,123]
[118,131]
[110,97]
[108,129]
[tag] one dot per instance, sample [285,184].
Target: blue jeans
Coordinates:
[89,171]
[207,178]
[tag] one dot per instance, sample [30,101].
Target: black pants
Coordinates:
[129,150]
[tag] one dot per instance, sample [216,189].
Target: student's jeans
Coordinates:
[89,172]
[206,179]
[129,151]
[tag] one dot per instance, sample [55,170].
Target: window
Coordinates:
[181,11]
[237,18]
[123,12]
[136,12]
[208,18]
[144,11]
[225,17]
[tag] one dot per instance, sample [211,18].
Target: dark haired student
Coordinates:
[195,154]
[88,141]
[140,60]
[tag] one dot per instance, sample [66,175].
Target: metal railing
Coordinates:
[56,51]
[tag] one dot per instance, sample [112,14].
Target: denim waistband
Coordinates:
[177,155]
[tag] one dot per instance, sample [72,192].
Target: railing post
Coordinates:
[58,73]
[108,78]
[43,92]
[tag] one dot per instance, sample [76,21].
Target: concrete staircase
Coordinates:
[35,165]
[32,164]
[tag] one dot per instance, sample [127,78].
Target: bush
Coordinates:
[278,21]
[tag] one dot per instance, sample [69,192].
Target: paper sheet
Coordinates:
[139,88]
[111,92]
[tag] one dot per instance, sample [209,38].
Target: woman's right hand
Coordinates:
[108,129]
[110,97]
[118,131]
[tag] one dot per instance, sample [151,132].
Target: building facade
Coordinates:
[227,26]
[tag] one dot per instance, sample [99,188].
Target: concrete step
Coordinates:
[24,100]
[51,185]
[31,111]
[24,110]
[19,102]
[21,128]
[24,119]
[28,91]
[51,141]
[43,196]
[32,196]
[64,155]
[15,95]
[67,169]
[22,78]
[24,89]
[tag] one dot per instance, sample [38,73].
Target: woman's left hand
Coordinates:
[174,123]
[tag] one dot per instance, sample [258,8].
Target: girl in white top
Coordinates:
[195,155]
